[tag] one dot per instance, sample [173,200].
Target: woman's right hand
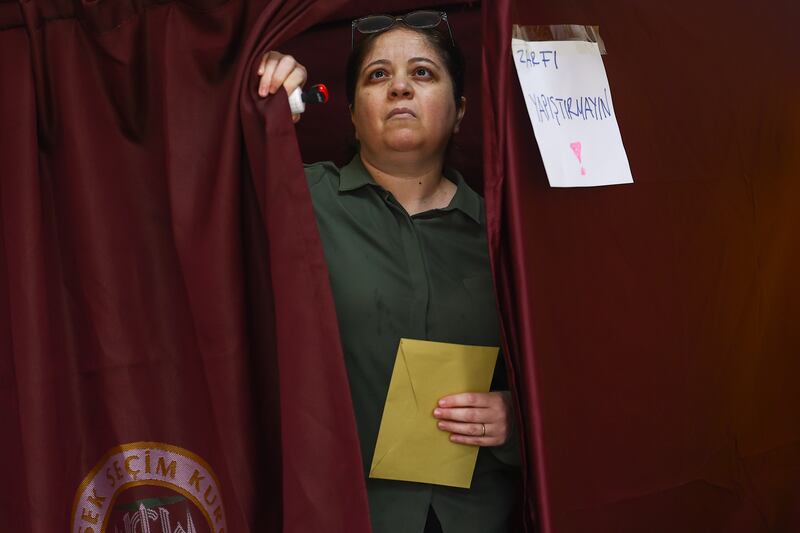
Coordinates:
[278,70]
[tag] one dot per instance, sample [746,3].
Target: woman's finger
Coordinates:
[474,415]
[463,428]
[476,434]
[262,63]
[270,63]
[282,71]
[467,399]
[297,78]
[476,441]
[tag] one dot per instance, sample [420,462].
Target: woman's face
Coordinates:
[404,98]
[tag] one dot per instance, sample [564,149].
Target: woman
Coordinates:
[405,243]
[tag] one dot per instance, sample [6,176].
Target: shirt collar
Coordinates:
[354,176]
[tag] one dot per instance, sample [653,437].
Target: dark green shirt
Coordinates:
[422,277]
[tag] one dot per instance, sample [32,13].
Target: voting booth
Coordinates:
[649,325]
[167,331]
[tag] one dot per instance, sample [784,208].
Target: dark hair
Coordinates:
[450,53]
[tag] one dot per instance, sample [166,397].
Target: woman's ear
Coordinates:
[462,108]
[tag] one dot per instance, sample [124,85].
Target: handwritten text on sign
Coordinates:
[569,104]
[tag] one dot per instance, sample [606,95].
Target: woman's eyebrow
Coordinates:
[377,62]
[423,59]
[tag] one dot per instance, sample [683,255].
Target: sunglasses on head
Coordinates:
[416,19]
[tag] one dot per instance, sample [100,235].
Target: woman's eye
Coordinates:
[422,71]
[377,75]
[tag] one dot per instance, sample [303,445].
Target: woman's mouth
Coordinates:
[401,112]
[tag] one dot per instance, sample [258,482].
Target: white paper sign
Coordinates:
[569,103]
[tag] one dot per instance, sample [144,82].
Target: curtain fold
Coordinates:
[651,326]
[149,334]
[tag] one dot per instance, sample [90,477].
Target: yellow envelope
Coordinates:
[410,447]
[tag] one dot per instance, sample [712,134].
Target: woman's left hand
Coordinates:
[477,418]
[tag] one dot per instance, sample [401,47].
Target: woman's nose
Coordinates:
[400,88]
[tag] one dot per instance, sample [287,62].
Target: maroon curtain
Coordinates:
[167,335]
[653,326]
[163,284]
